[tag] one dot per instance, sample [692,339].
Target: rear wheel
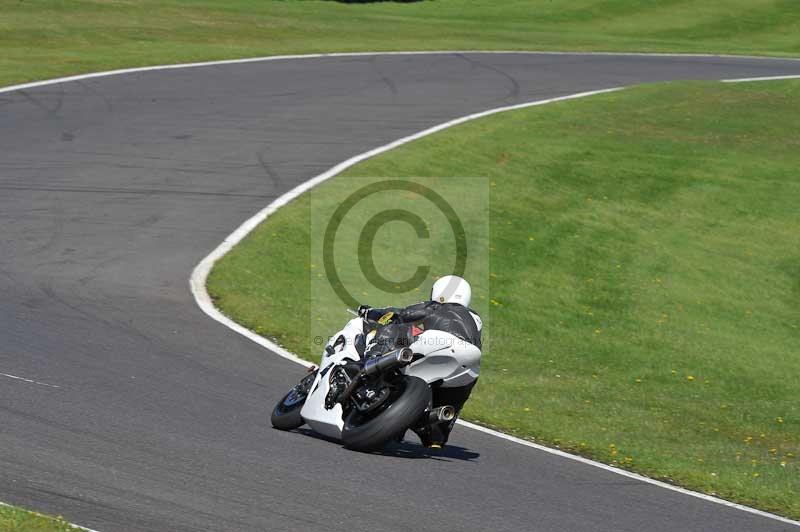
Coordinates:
[370,431]
[286,414]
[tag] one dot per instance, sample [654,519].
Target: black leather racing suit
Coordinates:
[431,315]
[395,330]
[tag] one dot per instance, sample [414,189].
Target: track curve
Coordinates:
[113,188]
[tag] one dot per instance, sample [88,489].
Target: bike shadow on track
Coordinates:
[407,449]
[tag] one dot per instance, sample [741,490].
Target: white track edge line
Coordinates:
[31,381]
[766,78]
[72,525]
[199,276]
[23,86]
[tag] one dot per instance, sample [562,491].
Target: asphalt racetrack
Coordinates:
[146,415]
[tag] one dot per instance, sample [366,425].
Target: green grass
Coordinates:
[50,38]
[638,239]
[645,278]
[14,519]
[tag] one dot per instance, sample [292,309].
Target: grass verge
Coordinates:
[644,279]
[13,519]
[51,38]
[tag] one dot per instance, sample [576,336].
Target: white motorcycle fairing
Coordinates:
[446,358]
[329,422]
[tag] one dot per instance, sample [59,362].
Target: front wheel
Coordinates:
[371,432]
[286,414]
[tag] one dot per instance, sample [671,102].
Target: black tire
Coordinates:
[286,414]
[374,433]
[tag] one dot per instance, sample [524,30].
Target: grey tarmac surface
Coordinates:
[113,189]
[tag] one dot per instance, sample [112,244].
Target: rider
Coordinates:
[448,311]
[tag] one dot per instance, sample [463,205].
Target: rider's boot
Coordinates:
[424,434]
[441,432]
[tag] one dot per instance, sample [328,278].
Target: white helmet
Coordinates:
[451,289]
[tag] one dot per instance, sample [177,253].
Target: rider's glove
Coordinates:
[363,310]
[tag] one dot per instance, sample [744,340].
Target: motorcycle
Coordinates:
[366,403]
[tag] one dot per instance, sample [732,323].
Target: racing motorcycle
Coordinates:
[366,403]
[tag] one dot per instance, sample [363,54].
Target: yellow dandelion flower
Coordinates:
[690,378]
[779,419]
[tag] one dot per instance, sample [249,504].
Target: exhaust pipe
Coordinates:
[394,360]
[389,361]
[442,414]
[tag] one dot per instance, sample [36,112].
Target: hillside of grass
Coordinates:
[644,284]
[51,38]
